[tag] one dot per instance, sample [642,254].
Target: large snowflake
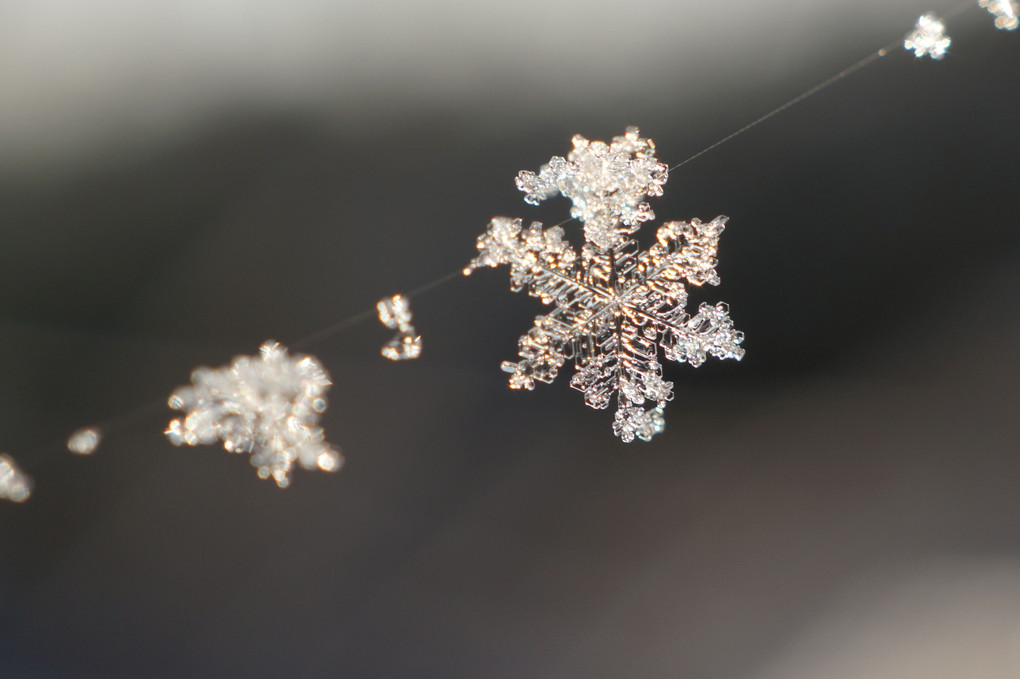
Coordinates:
[614,306]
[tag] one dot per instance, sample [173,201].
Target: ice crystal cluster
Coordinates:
[607,183]
[613,306]
[395,313]
[928,38]
[1006,13]
[15,485]
[266,405]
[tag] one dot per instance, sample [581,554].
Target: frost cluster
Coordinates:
[266,405]
[607,183]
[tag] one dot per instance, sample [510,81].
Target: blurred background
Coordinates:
[180,181]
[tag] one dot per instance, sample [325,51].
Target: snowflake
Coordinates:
[928,38]
[395,314]
[15,485]
[1006,13]
[268,406]
[614,306]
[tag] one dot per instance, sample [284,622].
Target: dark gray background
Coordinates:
[843,503]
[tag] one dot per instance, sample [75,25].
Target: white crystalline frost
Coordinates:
[15,485]
[928,38]
[1006,13]
[395,313]
[267,405]
[607,184]
[613,309]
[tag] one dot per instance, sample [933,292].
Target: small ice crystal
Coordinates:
[84,441]
[1006,13]
[15,485]
[395,313]
[928,38]
[268,406]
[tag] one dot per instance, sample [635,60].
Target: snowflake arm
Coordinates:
[622,363]
[687,250]
[538,259]
[708,333]
[542,262]
[543,351]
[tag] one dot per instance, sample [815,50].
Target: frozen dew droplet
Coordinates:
[267,406]
[928,38]
[84,441]
[15,485]
[395,313]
